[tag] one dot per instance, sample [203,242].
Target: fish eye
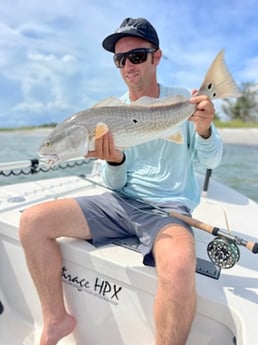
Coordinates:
[48,143]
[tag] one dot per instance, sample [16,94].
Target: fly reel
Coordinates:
[223,252]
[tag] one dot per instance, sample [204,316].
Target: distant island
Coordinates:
[27,128]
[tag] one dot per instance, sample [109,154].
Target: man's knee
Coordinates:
[30,219]
[174,253]
[176,267]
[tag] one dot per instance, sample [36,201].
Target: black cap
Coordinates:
[138,27]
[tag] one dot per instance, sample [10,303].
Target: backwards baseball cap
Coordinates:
[138,27]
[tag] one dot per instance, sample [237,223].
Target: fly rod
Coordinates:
[223,250]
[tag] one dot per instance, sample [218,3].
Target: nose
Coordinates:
[127,62]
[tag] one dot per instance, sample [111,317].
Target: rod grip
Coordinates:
[193,222]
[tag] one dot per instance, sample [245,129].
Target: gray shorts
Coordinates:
[111,216]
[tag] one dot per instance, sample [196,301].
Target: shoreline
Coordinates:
[241,136]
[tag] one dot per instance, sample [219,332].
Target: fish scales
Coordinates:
[132,125]
[131,119]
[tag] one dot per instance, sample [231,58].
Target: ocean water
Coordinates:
[238,169]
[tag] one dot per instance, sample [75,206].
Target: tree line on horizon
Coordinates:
[244,108]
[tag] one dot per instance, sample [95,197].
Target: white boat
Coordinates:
[110,291]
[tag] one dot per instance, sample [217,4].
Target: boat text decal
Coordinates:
[98,287]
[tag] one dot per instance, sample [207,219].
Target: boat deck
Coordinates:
[112,285]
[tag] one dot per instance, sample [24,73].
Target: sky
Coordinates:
[52,63]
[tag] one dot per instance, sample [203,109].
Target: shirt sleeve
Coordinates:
[208,152]
[115,177]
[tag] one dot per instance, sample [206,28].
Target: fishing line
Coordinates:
[122,196]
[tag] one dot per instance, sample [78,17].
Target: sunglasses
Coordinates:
[135,56]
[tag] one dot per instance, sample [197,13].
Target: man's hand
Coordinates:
[105,149]
[204,114]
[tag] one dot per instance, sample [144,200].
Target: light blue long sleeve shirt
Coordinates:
[161,172]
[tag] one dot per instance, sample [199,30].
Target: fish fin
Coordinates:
[152,102]
[109,102]
[101,129]
[177,138]
[218,82]
[143,101]
[87,146]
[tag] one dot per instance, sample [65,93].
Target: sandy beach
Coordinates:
[242,136]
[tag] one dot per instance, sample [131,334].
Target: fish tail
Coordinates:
[218,82]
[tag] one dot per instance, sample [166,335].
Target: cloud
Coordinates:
[52,63]
[249,71]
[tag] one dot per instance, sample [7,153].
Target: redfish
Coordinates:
[132,124]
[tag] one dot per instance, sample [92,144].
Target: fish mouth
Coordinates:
[49,160]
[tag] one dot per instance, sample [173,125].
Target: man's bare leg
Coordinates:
[175,300]
[40,226]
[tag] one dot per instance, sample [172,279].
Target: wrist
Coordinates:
[118,163]
[206,134]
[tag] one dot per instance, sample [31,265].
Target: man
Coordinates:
[159,172]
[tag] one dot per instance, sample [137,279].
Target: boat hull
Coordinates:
[108,289]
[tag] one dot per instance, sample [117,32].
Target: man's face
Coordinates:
[137,76]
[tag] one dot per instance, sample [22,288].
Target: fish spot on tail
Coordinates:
[210,87]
